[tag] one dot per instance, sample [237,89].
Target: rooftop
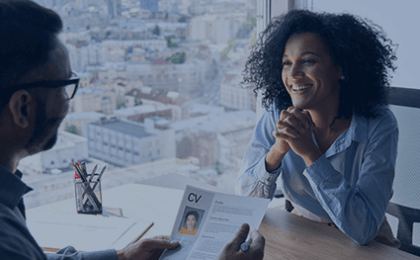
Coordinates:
[130,128]
[90,115]
[217,122]
[137,110]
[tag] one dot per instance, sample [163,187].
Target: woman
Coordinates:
[327,134]
[190,228]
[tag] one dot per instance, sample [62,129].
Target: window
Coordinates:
[165,68]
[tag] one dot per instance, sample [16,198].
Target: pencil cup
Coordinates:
[88,197]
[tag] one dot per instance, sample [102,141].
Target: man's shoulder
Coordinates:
[16,242]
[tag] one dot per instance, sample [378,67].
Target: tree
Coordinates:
[169,41]
[156,30]
[177,58]
[137,102]
[184,148]
[231,45]
[246,28]
[217,167]
[72,129]
[121,105]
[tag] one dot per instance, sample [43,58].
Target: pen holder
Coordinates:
[88,197]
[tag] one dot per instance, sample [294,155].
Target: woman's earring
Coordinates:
[342,77]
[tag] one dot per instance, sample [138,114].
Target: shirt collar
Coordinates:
[12,187]
[358,132]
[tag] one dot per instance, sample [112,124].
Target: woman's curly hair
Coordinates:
[358,46]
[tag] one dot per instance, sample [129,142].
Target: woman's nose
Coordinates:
[296,71]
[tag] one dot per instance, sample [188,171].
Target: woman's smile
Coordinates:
[309,73]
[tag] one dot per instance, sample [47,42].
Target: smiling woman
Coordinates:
[327,135]
[309,75]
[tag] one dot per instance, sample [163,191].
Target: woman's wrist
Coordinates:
[312,157]
[273,160]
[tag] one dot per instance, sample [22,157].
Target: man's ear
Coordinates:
[21,105]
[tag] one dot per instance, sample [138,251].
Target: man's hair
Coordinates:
[358,46]
[28,32]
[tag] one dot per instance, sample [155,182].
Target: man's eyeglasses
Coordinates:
[71,84]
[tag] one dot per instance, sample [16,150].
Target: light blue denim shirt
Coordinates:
[350,185]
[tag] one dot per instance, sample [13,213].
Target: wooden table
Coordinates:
[287,236]
[292,237]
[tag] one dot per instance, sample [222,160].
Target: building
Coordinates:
[114,8]
[96,99]
[122,142]
[196,109]
[216,28]
[68,149]
[218,137]
[234,96]
[74,121]
[149,96]
[151,5]
[141,112]
[183,78]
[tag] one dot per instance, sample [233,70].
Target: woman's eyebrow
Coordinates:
[303,53]
[309,52]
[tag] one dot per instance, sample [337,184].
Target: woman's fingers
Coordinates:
[290,124]
[281,135]
[303,116]
[286,132]
[309,119]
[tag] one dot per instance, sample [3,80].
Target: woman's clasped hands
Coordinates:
[294,131]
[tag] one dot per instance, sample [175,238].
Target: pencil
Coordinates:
[143,233]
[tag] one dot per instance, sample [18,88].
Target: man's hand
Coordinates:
[232,250]
[146,249]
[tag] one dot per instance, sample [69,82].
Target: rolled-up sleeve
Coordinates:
[253,178]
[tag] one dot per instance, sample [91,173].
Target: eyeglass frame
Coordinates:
[74,79]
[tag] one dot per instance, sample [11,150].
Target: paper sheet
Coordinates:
[84,232]
[217,216]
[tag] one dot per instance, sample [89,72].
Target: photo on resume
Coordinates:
[190,221]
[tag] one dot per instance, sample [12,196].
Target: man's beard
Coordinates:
[44,136]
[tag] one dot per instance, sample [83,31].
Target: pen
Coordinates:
[142,234]
[100,176]
[84,167]
[245,245]
[96,183]
[81,175]
[93,173]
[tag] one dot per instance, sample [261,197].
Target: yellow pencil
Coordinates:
[143,233]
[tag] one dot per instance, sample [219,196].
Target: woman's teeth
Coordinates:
[301,87]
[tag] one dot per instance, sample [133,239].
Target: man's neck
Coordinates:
[10,159]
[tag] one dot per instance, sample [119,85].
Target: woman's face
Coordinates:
[191,222]
[309,75]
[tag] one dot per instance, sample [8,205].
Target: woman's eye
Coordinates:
[286,63]
[309,61]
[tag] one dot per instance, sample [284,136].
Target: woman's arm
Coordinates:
[358,211]
[254,179]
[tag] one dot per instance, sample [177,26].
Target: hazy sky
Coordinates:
[399,19]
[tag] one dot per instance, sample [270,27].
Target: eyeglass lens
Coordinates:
[70,90]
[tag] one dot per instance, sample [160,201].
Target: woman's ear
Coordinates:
[21,107]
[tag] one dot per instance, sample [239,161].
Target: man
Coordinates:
[36,84]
